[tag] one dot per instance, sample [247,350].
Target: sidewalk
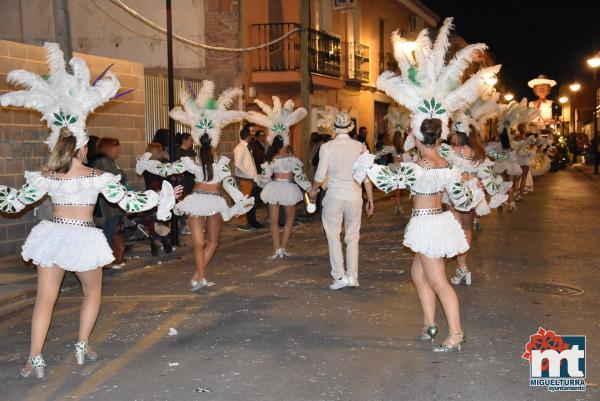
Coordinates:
[587,170]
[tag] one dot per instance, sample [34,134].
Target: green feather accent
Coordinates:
[211,104]
[412,75]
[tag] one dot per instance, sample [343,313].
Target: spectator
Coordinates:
[362,137]
[109,150]
[154,183]
[162,136]
[247,176]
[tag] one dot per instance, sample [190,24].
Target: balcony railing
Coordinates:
[358,62]
[387,62]
[324,50]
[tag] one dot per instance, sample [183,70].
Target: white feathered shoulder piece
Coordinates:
[205,114]
[326,119]
[278,119]
[399,117]
[427,85]
[476,114]
[64,99]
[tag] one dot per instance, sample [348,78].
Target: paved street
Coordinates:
[273,331]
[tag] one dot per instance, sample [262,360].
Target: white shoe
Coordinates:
[339,283]
[352,282]
[277,255]
[198,285]
[117,266]
[462,273]
[285,253]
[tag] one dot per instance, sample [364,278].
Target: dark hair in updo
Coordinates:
[431,128]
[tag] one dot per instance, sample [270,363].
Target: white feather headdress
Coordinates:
[278,119]
[327,120]
[429,87]
[483,109]
[205,114]
[64,99]
[399,117]
[515,113]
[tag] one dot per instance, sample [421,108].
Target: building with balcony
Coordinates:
[349,46]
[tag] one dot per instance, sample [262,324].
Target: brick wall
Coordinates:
[222,28]
[22,134]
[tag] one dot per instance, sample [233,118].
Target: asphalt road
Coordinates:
[274,331]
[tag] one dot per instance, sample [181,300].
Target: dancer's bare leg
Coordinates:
[213,233]
[424,291]
[49,280]
[91,283]
[436,277]
[197,225]
[290,215]
[274,225]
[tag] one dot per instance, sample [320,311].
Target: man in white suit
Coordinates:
[343,200]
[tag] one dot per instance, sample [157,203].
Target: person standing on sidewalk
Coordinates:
[69,241]
[246,176]
[343,201]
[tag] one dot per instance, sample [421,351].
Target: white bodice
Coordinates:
[220,169]
[77,191]
[283,164]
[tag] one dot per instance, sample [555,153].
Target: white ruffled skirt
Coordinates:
[435,236]
[204,205]
[72,248]
[283,193]
[510,167]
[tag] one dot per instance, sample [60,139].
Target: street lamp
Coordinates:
[508,97]
[594,63]
[562,100]
[574,87]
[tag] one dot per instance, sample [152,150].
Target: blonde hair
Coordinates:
[62,154]
[155,148]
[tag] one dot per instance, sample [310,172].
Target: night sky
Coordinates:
[529,38]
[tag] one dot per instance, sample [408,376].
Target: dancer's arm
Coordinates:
[137,201]
[321,173]
[300,177]
[224,174]
[14,200]
[156,167]
[265,174]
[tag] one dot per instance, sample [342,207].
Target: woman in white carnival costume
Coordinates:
[501,151]
[205,207]
[468,154]
[69,241]
[523,144]
[399,118]
[282,175]
[432,90]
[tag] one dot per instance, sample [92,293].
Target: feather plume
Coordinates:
[278,119]
[63,99]
[227,97]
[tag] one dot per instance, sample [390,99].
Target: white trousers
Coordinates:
[334,212]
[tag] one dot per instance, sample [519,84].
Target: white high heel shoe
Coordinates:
[34,364]
[83,352]
[462,273]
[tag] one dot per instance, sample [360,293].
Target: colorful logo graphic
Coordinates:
[556,362]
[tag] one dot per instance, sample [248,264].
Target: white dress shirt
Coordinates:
[244,162]
[336,162]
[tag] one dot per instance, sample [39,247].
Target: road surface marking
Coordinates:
[61,373]
[112,367]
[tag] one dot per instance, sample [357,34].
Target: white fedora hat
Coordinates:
[541,80]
